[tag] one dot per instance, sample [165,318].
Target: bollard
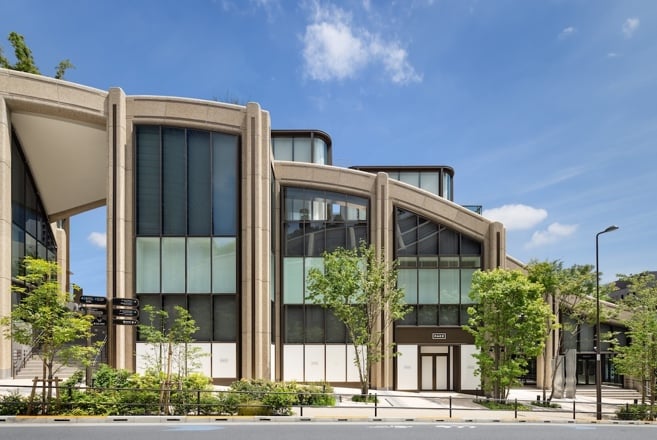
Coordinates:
[573,410]
[376,405]
[515,408]
[450,407]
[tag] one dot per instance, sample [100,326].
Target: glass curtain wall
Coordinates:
[187,195]
[31,234]
[314,222]
[435,269]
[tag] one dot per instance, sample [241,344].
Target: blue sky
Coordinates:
[546,109]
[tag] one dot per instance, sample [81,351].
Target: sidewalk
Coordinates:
[392,406]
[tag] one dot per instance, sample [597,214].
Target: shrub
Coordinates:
[633,412]
[13,404]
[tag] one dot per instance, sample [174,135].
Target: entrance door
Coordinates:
[434,371]
[585,370]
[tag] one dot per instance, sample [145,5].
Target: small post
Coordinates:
[450,407]
[573,410]
[198,402]
[515,407]
[376,405]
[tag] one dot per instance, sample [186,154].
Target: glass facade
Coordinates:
[309,147]
[315,222]
[187,195]
[435,269]
[31,234]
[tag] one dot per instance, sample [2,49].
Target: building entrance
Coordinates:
[435,369]
[586,370]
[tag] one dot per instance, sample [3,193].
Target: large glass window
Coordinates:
[187,198]
[435,269]
[314,222]
[300,147]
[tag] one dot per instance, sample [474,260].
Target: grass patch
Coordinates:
[545,404]
[501,405]
[370,398]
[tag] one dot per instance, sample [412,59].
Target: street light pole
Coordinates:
[598,343]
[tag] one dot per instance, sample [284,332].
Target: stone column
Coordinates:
[5,235]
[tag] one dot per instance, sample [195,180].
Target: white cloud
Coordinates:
[553,233]
[630,26]
[98,239]
[567,32]
[336,49]
[518,216]
[612,55]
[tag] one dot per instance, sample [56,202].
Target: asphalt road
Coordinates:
[321,431]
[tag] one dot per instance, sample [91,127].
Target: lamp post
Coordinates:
[598,344]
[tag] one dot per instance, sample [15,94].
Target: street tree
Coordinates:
[44,320]
[570,294]
[25,60]
[638,359]
[360,288]
[170,355]
[508,324]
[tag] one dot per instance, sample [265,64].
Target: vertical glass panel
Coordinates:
[314,324]
[198,265]
[335,236]
[466,285]
[302,150]
[428,262]
[294,239]
[465,316]
[199,196]
[145,318]
[17,187]
[471,262]
[225,318]
[586,338]
[17,249]
[200,308]
[449,262]
[30,246]
[449,286]
[449,314]
[406,233]
[319,151]
[407,280]
[430,181]
[356,234]
[294,324]
[315,239]
[470,246]
[147,265]
[297,205]
[336,331]
[224,265]
[293,282]
[449,242]
[312,263]
[427,236]
[428,286]
[173,265]
[357,208]
[447,187]
[412,178]
[427,315]
[174,182]
[319,206]
[411,317]
[31,208]
[169,303]
[224,184]
[283,148]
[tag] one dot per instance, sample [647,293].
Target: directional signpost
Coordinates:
[125,311]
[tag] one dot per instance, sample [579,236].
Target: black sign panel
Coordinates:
[126,312]
[93,311]
[116,321]
[125,302]
[97,300]
[99,322]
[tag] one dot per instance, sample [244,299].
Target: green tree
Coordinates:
[570,293]
[42,320]
[360,288]
[639,359]
[25,61]
[169,341]
[508,325]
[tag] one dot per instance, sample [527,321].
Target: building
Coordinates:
[210,209]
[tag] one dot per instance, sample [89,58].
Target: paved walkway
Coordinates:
[396,406]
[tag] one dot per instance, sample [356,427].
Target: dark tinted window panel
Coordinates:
[294,239]
[315,239]
[174,182]
[335,237]
[411,317]
[427,238]
[336,332]
[199,191]
[427,315]
[470,246]
[225,318]
[200,308]
[169,305]
[448,242]
[406,233]
[224,184]
[145,318]
[355,234]
[148,180]
[294,324]
[449,314]
[314,324]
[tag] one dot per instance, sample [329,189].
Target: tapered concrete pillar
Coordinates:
[5,235]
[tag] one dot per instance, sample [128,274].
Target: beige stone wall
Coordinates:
[5,235]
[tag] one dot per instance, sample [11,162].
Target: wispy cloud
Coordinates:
[515,217]
[567,32]
[98,239]
[336,49]
[554,232]
[630,26]
[612,55]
